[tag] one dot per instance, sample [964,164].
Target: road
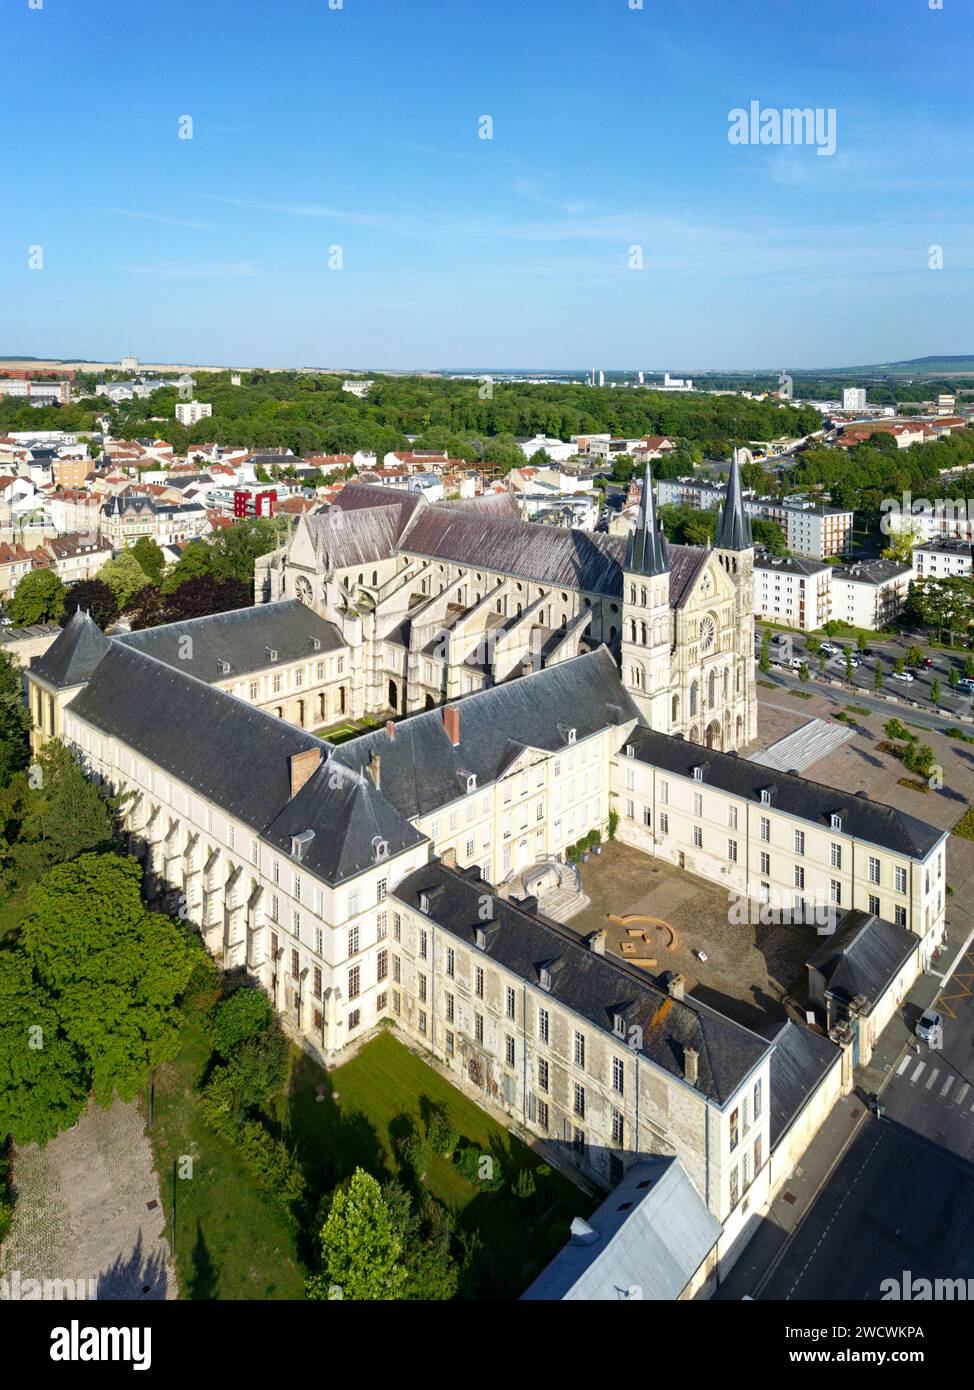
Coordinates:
[902,1197]
[842,698]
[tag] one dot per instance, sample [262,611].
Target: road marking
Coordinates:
[959,1097]
[932,1078]
[946,1086]
[903,1065]
[916,1075]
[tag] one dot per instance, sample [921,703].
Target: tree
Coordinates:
[245,1014]
[114,969]
[954,677]
[125,577]
[900,545]
[360,1249]
[899,665]
[38,598]
[195,561]
[914,655]
[862,641]
[803,672]
[848,664]
[50,817]
[14,721]
[879,676]
[43,1086]
[425,1236]
[150,559]
[822,662]
[92,596]
[764,660]
[236,548]
[935,691]
[147,608]
[196,598]
[769,535]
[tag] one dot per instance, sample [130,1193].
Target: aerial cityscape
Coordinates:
[478,828]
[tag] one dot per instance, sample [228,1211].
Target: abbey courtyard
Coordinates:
[519,690]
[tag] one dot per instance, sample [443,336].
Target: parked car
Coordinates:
[829,649]
[965,685]
[901,676]
[926,663]
[929,1026]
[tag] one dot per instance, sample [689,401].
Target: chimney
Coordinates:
[503,891]
[677,987]
[451,723]
[374,769]
[390,729]
[690,1058]
[303,765]
[449,857]
[596,942]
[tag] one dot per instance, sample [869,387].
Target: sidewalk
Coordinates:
[759,1260]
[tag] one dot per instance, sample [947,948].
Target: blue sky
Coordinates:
[358,128]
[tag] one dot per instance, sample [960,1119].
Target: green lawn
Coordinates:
[231,1241]
[381,1096]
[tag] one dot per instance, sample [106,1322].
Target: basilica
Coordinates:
[435,601]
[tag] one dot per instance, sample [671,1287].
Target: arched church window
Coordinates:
[642,595]
[375,576]
[737,683]
[642,633]
[726,683]
[712,688]
[632,629]
[694,696]
[675,710]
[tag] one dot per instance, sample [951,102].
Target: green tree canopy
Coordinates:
[195,561]
[92,596]
[14,721]
[150,559]
[38,598]
[360,1248]
[43,1084]
[125,576]
[114,969]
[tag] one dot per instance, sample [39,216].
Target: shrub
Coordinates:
[245,1014]
[441,1134]
[613,824]
[524,1184]
[275,1168]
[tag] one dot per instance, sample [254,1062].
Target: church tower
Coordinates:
[734,548]
[646,638]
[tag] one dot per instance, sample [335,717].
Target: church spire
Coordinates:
[646,547]
[734,526]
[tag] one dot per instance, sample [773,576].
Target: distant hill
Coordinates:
[926,366]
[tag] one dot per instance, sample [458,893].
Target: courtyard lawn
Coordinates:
[383,1095]
[231,1241]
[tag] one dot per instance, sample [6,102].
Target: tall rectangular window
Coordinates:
[579,1050]
[543,1025]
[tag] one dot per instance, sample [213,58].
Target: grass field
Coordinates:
[231,1241]
[386,1093]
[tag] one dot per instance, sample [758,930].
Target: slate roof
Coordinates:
[72,657]
[653,1232]
[241,637]
[871,821]
[799,1061]
[368,523]
[227,751]
[420,769]
[734,525]
[862,956]
[595,987]
[348,816]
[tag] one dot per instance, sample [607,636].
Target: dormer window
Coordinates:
[835,820]
[545,978]
[380,848]
[630,751]
[271,652]
[424,903]
[698,774]
[300,843]
[765,797]
[225,667]
[471,781]
[316,644]
[571,735]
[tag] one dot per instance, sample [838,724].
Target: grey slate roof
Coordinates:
[420,769]
[862,956]
[222,748]
[734,526]
[654,1232]
[596,987]
[543,554]
[72,657]
[646,545]
[799,1061]
[241,637]
[348,816]
[368,523]
[871,821]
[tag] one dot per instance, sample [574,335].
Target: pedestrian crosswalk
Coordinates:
[951,1086]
